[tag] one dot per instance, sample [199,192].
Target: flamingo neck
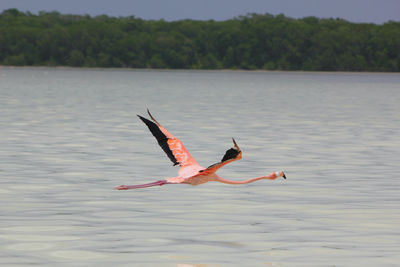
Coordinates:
[272,176]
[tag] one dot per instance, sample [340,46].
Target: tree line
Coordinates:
[254,41]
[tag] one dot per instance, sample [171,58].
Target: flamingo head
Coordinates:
[280,174]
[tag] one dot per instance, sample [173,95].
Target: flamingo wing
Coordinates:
[231,155]
[171,145]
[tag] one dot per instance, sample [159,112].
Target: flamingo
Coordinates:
[190,171]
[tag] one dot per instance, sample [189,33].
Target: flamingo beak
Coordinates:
[284,176]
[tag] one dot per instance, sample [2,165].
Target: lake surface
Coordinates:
[68,136]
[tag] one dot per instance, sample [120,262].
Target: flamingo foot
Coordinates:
[122,187]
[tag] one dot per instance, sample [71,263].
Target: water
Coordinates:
[68,136]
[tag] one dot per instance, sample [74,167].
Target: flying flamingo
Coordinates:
[190,171]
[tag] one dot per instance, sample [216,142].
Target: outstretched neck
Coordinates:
[271,176]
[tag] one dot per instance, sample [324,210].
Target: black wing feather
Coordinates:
[161,138]
[230,154]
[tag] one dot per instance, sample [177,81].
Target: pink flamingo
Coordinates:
[190,171]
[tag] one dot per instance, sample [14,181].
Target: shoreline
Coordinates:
[194,70]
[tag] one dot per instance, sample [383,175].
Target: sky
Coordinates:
[369,11]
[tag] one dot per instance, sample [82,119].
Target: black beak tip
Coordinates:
[284,176]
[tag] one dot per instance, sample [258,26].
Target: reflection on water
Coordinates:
[69,136]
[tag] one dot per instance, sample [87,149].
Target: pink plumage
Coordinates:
[190,171]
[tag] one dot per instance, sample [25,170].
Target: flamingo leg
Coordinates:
[126,187]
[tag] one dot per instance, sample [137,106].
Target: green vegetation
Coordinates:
[247,42]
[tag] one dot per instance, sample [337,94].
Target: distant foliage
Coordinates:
[246,42]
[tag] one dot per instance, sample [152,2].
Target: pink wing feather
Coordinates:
[173,147]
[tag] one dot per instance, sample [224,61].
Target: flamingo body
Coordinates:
[190,171]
